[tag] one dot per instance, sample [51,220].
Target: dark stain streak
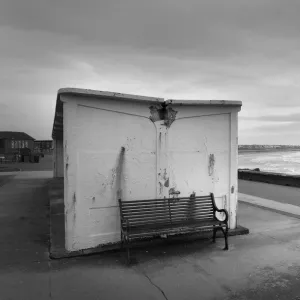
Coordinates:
[119,172]
[73,206]
[211,164]
[167,183]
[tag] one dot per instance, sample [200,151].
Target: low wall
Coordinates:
[267,177]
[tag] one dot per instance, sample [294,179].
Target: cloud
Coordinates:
[271,134]
[278,128]
[291,118]
[230,50]
[202,28]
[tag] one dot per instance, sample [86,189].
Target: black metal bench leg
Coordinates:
[128,250]
[214,234]
[122,241]
[225,232]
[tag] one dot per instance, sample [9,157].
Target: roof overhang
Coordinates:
[108,95]
[57,131]
[205,102]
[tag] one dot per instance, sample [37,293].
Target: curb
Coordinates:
[271,205]
[271,209]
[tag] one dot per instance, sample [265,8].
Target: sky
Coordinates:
[192,49]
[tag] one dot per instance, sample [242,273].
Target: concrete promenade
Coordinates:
[262,265]
[45,164]
[278,193]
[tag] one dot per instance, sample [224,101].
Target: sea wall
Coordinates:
[267,177]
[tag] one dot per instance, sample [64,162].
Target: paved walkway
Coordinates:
[262,265]
[24,234]
[279,193]
[45,164]
[282,208]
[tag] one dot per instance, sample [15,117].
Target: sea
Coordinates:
[286,162]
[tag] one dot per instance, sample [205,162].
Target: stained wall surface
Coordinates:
[114,148]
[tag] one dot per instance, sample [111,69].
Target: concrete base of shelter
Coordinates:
[57,230]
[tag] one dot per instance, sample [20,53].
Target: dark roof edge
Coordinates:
[19,135]
[43,140]
[57,117]
[205,102]
[105,94]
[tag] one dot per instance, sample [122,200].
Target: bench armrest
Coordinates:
[222,211]
[216,209]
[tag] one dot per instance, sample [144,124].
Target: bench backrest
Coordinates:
[167,211]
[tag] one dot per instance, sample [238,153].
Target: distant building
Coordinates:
[11,142]
[43,146]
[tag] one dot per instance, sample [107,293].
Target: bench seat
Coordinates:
[165,228]
[154,217]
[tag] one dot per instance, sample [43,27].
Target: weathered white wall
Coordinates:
[58,158]
[191,143]
[197,134]
[233,169]
[99,172]
[155,159]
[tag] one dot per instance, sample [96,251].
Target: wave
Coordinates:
[278,162]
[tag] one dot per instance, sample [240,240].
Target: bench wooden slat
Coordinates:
[166,199]
[137,203]
[170,226]
[173,218]
[175,208]
[193,224]
[167,220]
[157,206]
[170,215]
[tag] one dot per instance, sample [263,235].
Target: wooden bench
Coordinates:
[155,217]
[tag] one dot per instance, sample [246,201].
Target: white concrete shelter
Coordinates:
[110,145]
